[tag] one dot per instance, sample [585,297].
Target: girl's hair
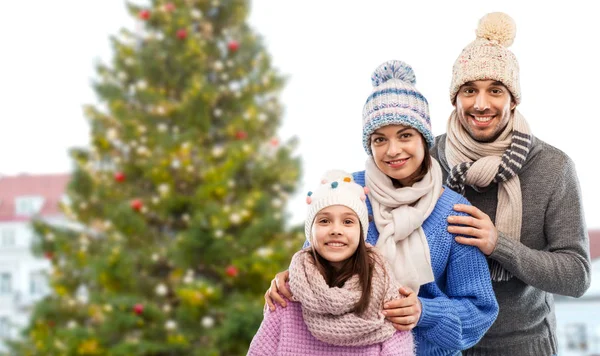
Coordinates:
[360,263]
[425,165]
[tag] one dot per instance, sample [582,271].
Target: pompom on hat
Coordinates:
[488,57]
[337,188]
[395,101]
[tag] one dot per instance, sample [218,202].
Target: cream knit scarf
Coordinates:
[479,164]
[327,311]
[399,214]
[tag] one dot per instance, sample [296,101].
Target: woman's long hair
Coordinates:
[360,263]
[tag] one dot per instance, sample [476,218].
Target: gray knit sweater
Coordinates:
[552,255]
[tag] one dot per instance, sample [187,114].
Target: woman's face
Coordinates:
[398,151]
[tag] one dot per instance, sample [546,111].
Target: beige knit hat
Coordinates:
[488,56]
[337,188]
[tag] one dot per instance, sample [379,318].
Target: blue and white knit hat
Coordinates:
[337,188]
[395,101]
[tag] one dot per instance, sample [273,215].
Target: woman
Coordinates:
[456,303]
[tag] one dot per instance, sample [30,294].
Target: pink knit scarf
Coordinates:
[327,311]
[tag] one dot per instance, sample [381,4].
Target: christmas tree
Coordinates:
[175,221]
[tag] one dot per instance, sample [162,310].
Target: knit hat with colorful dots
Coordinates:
[488,57]
[337,188]
[395,101]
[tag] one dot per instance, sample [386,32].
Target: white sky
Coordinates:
[328,49]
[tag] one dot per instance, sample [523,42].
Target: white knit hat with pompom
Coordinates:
[337,188]
[488,57]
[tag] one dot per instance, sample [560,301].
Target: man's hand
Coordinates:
[272,295]
[404,313]
[479,226]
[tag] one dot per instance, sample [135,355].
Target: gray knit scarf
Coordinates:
[480,164]
[327,311]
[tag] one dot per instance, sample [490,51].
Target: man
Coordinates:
[527,214]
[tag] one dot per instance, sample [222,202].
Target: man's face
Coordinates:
[484,108]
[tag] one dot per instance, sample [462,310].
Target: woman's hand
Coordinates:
[405,312]
[272,295]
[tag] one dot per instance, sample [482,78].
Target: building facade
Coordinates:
[23,277]
[578,319]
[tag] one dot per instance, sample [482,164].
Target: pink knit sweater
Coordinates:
[284,333]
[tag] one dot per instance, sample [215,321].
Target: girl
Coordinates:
[339,284]
[456,304]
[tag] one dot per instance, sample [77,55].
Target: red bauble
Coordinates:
[144,14]
[120,177]
[136,204]
[169,6]
[231,271]
[182,33]
[138,309]
[274,142]
[233,45]
[51,323]
[241,135]
[49,255]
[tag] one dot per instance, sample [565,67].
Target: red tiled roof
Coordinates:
[594,244]
[50,186]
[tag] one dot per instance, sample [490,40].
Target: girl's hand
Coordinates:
[405,312]
[272,295]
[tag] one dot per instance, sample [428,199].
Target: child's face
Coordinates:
[336,233]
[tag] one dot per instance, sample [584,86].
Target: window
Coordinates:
[5,283]
[576,337]
[4,328]
[28,205]
[38,284]
[7,237]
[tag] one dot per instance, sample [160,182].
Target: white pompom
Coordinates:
[499,27]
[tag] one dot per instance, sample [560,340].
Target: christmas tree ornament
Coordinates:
[161,290]
[112,134]
[138,309]
[235,218]
[136,204]
[122,76]
[231,271]
[120,177]
[182,33]
[155,257]
[155,200]
[208,322]
[169,7]
[219,234]
[144,14]
[188,279]
[170,325]
[218,66]
[49,236]
[217,112]
[274,142]
[233,46]
[264,252]
[162,127]
[196,14]
[72,324]
[163,189]
[49,255]
[141,85]
[166,308]
[230,63]
[246,148]
[108,308]
[276,203]
[262,117]
[241,135]
[175,164]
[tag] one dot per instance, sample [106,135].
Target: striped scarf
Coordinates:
[479,164]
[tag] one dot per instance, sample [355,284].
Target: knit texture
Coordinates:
[328,311]
[395,101]
[488,57]
[336,188]
[284,333]
[459,306]
[550,256]
[479,164]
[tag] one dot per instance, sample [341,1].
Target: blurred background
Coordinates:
[199,128]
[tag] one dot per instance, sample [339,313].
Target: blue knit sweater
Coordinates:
[460,305]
